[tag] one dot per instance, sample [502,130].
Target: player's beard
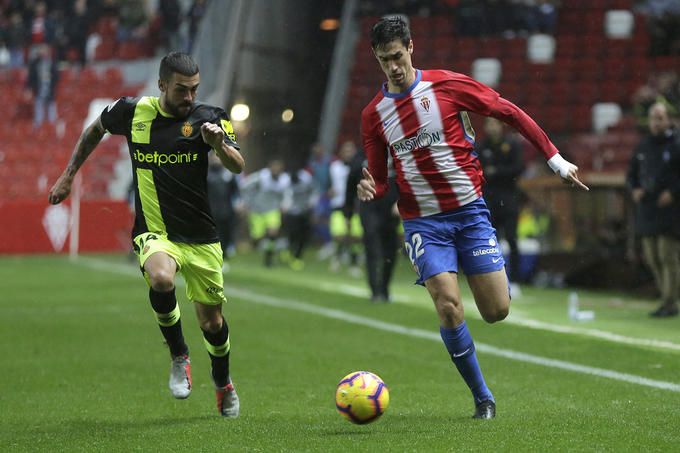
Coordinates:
[180,111]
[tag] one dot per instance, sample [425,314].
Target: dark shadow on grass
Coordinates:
[400,423]
[347,432]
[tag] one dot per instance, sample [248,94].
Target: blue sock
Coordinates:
[458,342]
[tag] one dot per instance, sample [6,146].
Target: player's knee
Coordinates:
[212,324]
[162,280]
[450,310]
[495,314]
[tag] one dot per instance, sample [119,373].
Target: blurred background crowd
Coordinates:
[592,74]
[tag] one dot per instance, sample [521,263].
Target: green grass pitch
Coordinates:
[85,368]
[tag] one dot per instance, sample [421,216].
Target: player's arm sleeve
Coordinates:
[509,113]
[117,116]
[476,97]
[376,153]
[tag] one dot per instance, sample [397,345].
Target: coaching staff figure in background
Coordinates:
[379,220]
[169,138]
[652,184]
[501,159]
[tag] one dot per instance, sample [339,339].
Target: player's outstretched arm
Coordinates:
[567,171]
[213,135]
[366,187]
[87,142]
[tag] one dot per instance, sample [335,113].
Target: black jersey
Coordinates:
[170,164]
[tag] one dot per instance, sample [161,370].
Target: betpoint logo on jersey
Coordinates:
[163,159]
[422,139]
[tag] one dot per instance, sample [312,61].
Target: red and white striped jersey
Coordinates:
[427,131]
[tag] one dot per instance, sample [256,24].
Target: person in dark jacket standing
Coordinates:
[652,185]
[501,159]
[43,77]
[380,222]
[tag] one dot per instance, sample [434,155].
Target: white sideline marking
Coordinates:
[409,331]
[514,318]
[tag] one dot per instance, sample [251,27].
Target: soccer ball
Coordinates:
[361,397]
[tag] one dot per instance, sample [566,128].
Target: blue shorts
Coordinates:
[438,243]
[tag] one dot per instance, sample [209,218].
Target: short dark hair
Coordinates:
[388,29]
[177,62]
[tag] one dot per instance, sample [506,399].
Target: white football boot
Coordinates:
[180,377]
[227,401]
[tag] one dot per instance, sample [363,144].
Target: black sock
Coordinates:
[167,313]
[218,348]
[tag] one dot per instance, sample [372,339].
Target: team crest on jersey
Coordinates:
[425,103]
[187,129]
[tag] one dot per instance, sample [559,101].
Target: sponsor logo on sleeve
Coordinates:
[228,129]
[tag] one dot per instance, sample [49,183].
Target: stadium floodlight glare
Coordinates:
[287,115]
[240,112]
[329,24]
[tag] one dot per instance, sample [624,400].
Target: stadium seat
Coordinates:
[487,70]
[605,114]
[541,48]
[618,24]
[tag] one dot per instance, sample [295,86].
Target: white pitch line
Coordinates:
[514,318]
[342,315]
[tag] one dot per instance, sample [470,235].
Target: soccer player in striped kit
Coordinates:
[420,118]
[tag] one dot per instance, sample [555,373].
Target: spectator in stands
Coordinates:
[660,88]
[651,186]
[41,27]
[170,13]
[544,17]
[663,24]
[132,21]
[501,159]
[43,77]
[77,30]
[196,13]
[15,39]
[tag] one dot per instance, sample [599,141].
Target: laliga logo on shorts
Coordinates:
[57,224]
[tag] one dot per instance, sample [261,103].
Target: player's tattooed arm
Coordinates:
[87,142]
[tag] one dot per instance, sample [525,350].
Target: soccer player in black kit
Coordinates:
[169,138]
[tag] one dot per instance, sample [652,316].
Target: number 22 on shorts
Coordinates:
[414,249]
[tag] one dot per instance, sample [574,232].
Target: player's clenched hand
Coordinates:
[212,134]
[60,190]
[366,187]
